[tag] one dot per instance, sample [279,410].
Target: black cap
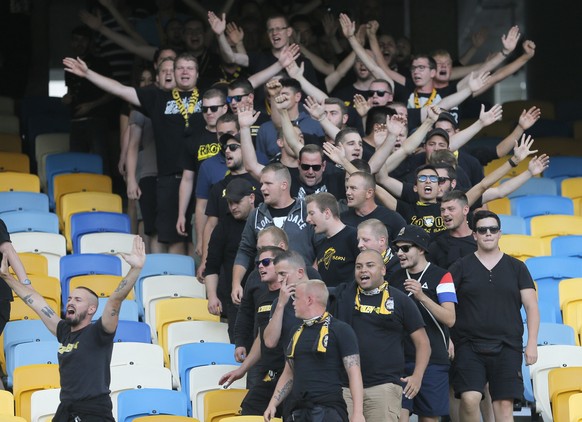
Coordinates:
[437,132]
[224,138]
[413,234]
[448,117]
[238,188]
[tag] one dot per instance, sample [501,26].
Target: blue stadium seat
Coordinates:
[567,246]
[534,205]
[31,221]
[128,311]
[564,167]
[32,353]
[97,222]
[535,186]
[85,264]
[149,402]
[132,332]
[23,201]
[512,224]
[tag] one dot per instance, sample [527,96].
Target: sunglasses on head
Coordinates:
[236,98]
[315,167]
[378,92]
[430,177]
[483,230]
[265,262]
[213,108]
[403,248]
[232,147]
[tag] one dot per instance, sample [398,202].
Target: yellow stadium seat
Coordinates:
[562,383]
[500,206]
[79,182]
[179,309]
[572,188]
[7,418]
[6,403]
[495,164]
[248,419]
[34,264]
[21,311]
[575,407]
[72,203]
[14,161]
[219,404]
[48,287]
[31,378]
[572,316]
[102,284]
[512,109]
[522,246]
[547,227]
[24,182]
[166,418]
[10,142]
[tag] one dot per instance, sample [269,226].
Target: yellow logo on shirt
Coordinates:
[68,348]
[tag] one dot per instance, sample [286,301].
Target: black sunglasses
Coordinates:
[442,179]
[315,167]
[378,92]
[232,147]
[236,98]
[213,108]
[483,230]
[403,248]
[265,262]
[424,177]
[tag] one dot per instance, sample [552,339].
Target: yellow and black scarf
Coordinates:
[386,306]
[321,344]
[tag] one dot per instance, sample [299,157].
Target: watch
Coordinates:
[26,282]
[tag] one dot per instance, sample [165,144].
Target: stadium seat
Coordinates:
[23,331]
[79,182]
[549,226]
[575,407]
[97,222]
[138,354]
[572,188]
[6,403]
[563,168]
[50,245]
[495,164]
[535,186]
[23,201]
[512,224]
[49,288]
[536,205]
[108,243]
[31,221]
[14,162]
[32,353]
[567,246]
[562,383]
[167,418]
[19,182]
[128,311]
[193,355]
[33,263]
[45,145]
[522,246]
[223,403]
[132,331]
[31,378]
[102,284]
[10,142]
[500,206]
[44,404]
[132,404]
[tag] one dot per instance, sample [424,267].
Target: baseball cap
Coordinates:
[437,132]
[413,234]
[237,189]
[224,138]
[448,117]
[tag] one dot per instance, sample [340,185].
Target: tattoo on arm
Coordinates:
[122,284]
[47,310]
[114,312]
[28,299]
[282,393]
[351,360]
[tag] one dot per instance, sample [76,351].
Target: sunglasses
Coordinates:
[442,180]
[378,92]
[424,177]
[315,167]
[492,229]
[232,147]
[403,248]
[265,262]
[213,108]
[236,98]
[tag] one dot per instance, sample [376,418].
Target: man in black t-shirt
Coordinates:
[382,316]
[492,287]
[320,351]
[85,352]
[433,292]
[336,254]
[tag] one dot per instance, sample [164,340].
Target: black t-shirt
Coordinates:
[423,214]
[202,145]
[367,151]
[5,290]
[437,284]
[170,132]
[336,257]
[380,336]
[317,376]
[332,182]
[445,250]
[272,359]
[490,301]
[84,360]
[391,219]
[217,206]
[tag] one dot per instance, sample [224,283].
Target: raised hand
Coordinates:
[395,124]
[289,54]
[316,110]
[433,113]
[273,87]
[478,81]
[282,102]
[218,25]
[93,21]
[234,33]
[538,164]
[528,118]
[295,71]
[522,150]
[335,154]
[361,34]
[529,48]
[330,24]
[489,117]
[247,116]
[348,26]
[380,134]
[372,28]
[479,37]
[361,105]
[509,41]
[136,258]
[76,66]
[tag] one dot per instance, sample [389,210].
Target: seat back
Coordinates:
[563,168]
[535,186]
[6,403]
[43,404]
[31,378]
[522,246]
[23,201]
[567,246]
[12,181]
[166,418]
[32,353]
[127,311]
[512,224]
[31,221]
[132,404]
[14,161]
[222,403]
[536,205]
[108,243]
[33,263]
[50,245]
[562,383]
[500,206]
[575,407]
[10,142]
[549,226]
[139,354]
[132,331]
[102,284]
[79,182]
[192,355]
[44,145]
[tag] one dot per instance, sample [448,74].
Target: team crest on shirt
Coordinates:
[428,220]
[328,256]
[389,305]
[324,340]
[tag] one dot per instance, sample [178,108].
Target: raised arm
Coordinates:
[317,111]
[236,35]
[246,118]
[394,126]
[218,26]
[536,166]
[291,138]
[486,118]
[288,56]
[478,38]
[122,21]
[476,82]
[135,259]
[272,333]
[79,67]
[30,296]
[526,120]
[520,153]
[296,72]
[340,72]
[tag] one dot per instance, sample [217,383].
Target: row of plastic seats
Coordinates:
[10,142]
[524,246]
[16,162]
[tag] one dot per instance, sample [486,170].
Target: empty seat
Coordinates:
[102,284]
[97,222]
[132,331]
[44,404]
[46,144]
[31,221]
[132,404]
[512,224]
[535,186]
[31,378]
[19,182]
[192,355]
[14,161]
[31,353]
[572,188]
[79,182]
[563,168]
[222,403]
[549,226]
[139,354]
[10,142]
[537,205]
[128,311]
[23,201]
[50,245]
[567,246]
[522,246]
[108,243]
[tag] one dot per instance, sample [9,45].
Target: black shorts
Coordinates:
[502,370]
[257,399]
[433,397]
[4,314]
[168,188]
[148,203]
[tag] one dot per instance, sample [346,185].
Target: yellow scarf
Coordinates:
[182,108]
[321,345]
[433,95]
[386,306]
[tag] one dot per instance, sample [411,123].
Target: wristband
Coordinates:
[321,118]
[504,54]
[511,162]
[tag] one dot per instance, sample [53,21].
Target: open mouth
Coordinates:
[428,190]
